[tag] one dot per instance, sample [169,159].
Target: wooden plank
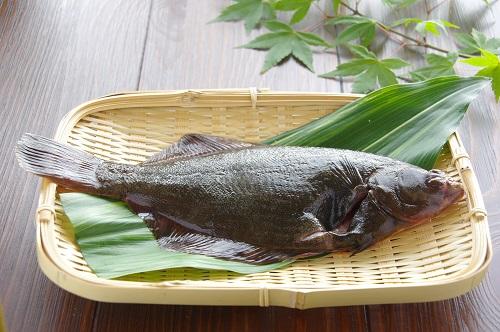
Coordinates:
[238,319]
[477,310]
[53,56]
[319,319]
[184,52]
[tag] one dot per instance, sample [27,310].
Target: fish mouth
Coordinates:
[454,191]
[439,179]
[450,191]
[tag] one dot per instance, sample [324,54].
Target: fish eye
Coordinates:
[437,171]
[435,183]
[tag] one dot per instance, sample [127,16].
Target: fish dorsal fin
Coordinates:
[192,145]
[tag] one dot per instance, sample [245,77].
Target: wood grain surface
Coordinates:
[56,54]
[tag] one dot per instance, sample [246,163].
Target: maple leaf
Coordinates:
[438,65]
[358,27]
[476,41]
[490,65]
[250,11]
[284,41]
[370,72]
[301,8]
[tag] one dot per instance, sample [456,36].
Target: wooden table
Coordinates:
[57,54]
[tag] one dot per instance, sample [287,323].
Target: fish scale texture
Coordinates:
[259,195]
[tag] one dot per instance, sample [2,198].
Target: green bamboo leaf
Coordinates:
[116,242]
[409,122]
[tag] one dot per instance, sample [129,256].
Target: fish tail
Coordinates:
[64,165]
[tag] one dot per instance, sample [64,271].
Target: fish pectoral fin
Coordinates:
[372,223]
[347,172]
[194,243]
[360,193]
[191,145]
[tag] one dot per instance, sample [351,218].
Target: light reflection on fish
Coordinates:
[254,203]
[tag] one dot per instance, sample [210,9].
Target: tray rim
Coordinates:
[301,298]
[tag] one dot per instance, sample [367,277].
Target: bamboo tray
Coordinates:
[441,259]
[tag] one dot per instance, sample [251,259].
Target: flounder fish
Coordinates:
[254,203]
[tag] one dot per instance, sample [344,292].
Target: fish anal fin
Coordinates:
[191,145]
[195,243]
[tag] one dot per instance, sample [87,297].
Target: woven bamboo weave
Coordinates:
[439,259]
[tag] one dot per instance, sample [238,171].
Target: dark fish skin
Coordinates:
[281,201]
[267,196]
[272,197]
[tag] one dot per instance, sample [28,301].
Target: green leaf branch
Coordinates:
[425,26]
[356,31]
